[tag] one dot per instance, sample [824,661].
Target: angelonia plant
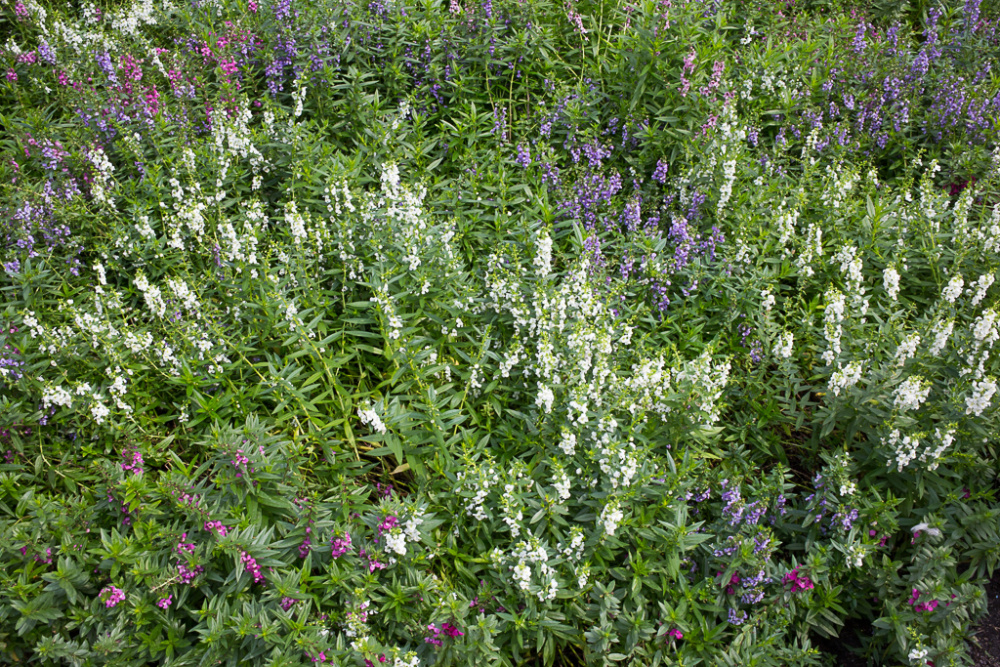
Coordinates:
[498,332]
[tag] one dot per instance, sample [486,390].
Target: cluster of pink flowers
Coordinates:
[733,582]
[930,605]
[798,582]
[240,461]
[217,527]
[251,566]
[112,595]
[287,603]
[446,629]
[340,545]
[163,603]
[321,657]
[373,563]
[185,547]
[675,633]
[306,543]
[48,555]
[388,524]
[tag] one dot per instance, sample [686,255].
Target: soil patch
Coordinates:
[987,652]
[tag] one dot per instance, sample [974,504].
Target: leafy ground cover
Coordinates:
[499,332]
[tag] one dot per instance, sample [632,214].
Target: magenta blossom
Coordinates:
[797,582]
[112,596]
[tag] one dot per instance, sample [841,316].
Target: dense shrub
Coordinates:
[425,333]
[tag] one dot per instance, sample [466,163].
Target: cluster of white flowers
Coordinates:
[567,442]
[184,294]
[611,516]
[512,512]
[151,293]
[944,442]
[480,479]
[855,555]
[728,179]
[544,398]
[981,286]
[812,249]
[904,448]
[369,417]
[982,394]
[785,223]
[56,396]
[101,182]
[397,538]
[296,223]
[984,329]
[942,331]
[911,394]
[953,289]
[838,187]
[299,96]
[833,318]
[137,343]
[119,387]
[985,333]
[98,410]
[785,345]
[989,235]
[143,227]
[707,382]
[890,281]
[851,265]
[534,552]
[617,460]
[411,659]
[767,300]
[388,311]
[845,377]
[292,316]
[574,550]
[907,349]
[918,656]
[562,484]
[543,254]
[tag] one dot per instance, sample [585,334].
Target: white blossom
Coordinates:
[785,345]
[953,289]
[981,286]
[890,281]
[369,417]
[911,394]
[845,377]
[982,394]
[942,331]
